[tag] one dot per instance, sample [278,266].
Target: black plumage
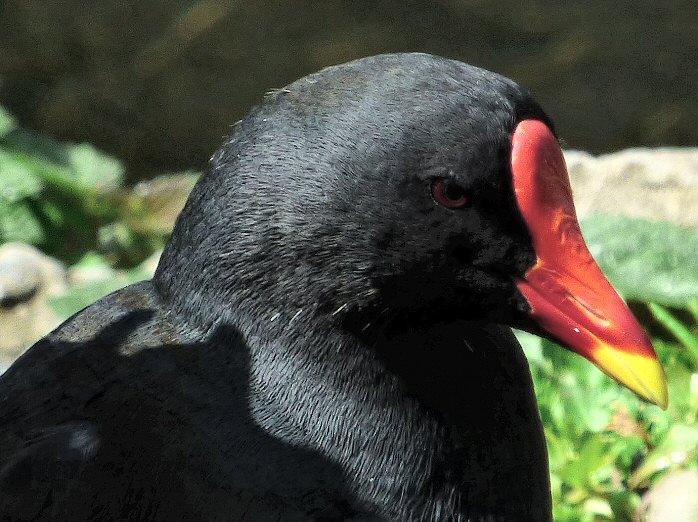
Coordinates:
[321,340]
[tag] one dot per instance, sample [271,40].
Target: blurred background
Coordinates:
[110,110]
[159,83]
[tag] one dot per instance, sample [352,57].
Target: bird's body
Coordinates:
[322,339]
[145,419]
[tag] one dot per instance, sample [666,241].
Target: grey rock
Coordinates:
[657,184]
[27,279]
[673,499]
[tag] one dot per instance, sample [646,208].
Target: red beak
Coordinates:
[569,296]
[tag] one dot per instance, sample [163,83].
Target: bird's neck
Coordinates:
[435,424]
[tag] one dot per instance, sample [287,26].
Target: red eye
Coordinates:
[448,194]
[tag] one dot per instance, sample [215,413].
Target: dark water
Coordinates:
[159,83]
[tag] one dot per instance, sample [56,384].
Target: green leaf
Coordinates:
[53,212]
[96,278]
[591,456]
[678,329]
[678,448]
[600,507]
[645,260]
[624,504]
[80,169]
[17,181]
[48,173]
[18,223]
[36,145]
[7,122]
[79,296]
[626,449]
[95,169]
[92,260]
[693,308]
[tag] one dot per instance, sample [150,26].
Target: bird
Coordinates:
[327,336]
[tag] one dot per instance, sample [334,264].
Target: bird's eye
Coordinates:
[449,194]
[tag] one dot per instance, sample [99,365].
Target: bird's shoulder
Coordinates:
[79,389]
[91,348]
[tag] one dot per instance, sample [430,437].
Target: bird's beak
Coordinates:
[569,296]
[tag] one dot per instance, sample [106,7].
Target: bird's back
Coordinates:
[125,413]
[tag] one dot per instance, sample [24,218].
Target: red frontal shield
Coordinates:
[570,298]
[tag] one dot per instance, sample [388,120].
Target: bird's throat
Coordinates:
[454,405]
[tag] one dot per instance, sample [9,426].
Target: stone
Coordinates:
[673,499]
[656,184]
[27,279]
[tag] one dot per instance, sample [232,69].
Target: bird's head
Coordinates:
[410,188]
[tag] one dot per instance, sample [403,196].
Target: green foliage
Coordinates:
[54,195]
[98,278]
[69,198]
[646,260]
[7,122]
[606,446]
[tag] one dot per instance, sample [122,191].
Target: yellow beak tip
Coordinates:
[640,373]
